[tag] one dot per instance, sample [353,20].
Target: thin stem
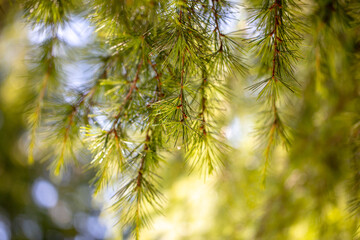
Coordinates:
[157,76]
[117,117]
[41,96]
[128,96]
[75,109]
[139,181]
[203,106]
[37,113]
[181,95]
[275,65]
[217,28]
[275,7]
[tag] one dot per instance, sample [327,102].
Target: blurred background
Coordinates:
[311,190]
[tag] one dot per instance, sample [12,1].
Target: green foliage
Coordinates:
[276,44]
[48,13]
[160,82]
[162,79]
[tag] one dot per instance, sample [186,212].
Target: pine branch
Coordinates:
[35,116]
[277,21]
[215,4]
[277,43]
[48,15]
[158,91]
[142,191]
[71,121]
[127,97]
[35,119]
[160,52]
[139,182]
[203,106]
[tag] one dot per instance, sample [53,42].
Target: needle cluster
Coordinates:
[160,77]
[276,46]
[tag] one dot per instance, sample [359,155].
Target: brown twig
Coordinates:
[203,106]
[217,28]
[157,76]
[128,96]
[181,95]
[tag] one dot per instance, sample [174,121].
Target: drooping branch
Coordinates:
[275,63]
[35,118]
[203,105]
[277,44]
[219,35]
[123,104]
[181,94]
[71,121]
[127,97]
[159,91]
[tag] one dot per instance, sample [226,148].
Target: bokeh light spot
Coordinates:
[4,231]
[44,194]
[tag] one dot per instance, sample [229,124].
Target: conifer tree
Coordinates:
[161,75]
[159,80]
